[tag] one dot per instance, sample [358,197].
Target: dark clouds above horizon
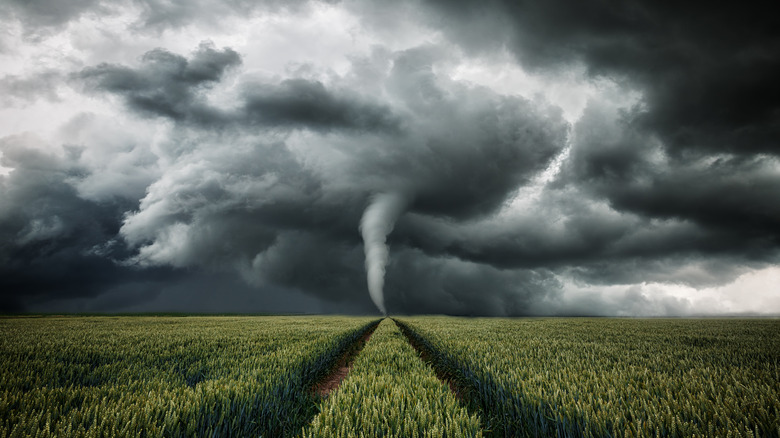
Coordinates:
[555,158]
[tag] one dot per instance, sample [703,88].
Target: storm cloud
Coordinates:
[705,69]
[244,153]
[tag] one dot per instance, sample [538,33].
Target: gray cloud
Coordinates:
[631,301]
[417,283]
[728,195]
[205,168]
[39,17]
[158,15]
[706,69]
[236,202]
[194,292]
[168,85]
[304,103]
[172,86]
[621,211]
[43,18]
[53,243]
[20,90]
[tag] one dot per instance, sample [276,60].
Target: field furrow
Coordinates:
[622,378]
[340,369]
[166,376]
[390,392]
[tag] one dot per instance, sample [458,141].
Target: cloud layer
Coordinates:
[220,151]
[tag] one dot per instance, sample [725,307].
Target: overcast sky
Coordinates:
[527,158]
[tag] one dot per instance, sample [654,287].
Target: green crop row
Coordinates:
[165,376]
[614,378]
[390,392]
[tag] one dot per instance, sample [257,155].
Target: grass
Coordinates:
[171,376]
[165,376]
[612,377]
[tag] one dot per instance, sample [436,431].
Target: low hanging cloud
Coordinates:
[191,161]
[167,85]
[705,69]
[232,200]
[55,243]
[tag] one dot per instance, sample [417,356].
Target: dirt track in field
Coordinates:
[332,381]
[426,357]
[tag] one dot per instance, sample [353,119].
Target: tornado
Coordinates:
[375,225]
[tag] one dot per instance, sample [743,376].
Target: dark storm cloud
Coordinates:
[421,284]
[567,232]
[172,86]
[471,147]
[53,243]
[305,103]
[731,197]
[728,193]
[309,261]
[167,85]
[424,149]
[707,69]
[621,211]
[289,220]
[60,251]
[234,175]
[697,153]
[194,292]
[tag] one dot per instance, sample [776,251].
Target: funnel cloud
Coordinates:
[495,157]
[377,222]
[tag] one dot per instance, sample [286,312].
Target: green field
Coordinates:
[165,376]
[391,392]
[169,376]
[613,377]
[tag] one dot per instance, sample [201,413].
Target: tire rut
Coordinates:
[339,372]
[426,357]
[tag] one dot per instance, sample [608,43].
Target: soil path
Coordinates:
[426,357]
[332,381]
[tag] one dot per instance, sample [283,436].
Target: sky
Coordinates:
[496,157]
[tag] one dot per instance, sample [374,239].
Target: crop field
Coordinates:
[390,392]
[154,376]
[165,376]
[612,377]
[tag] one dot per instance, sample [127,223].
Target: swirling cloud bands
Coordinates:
[503,158]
